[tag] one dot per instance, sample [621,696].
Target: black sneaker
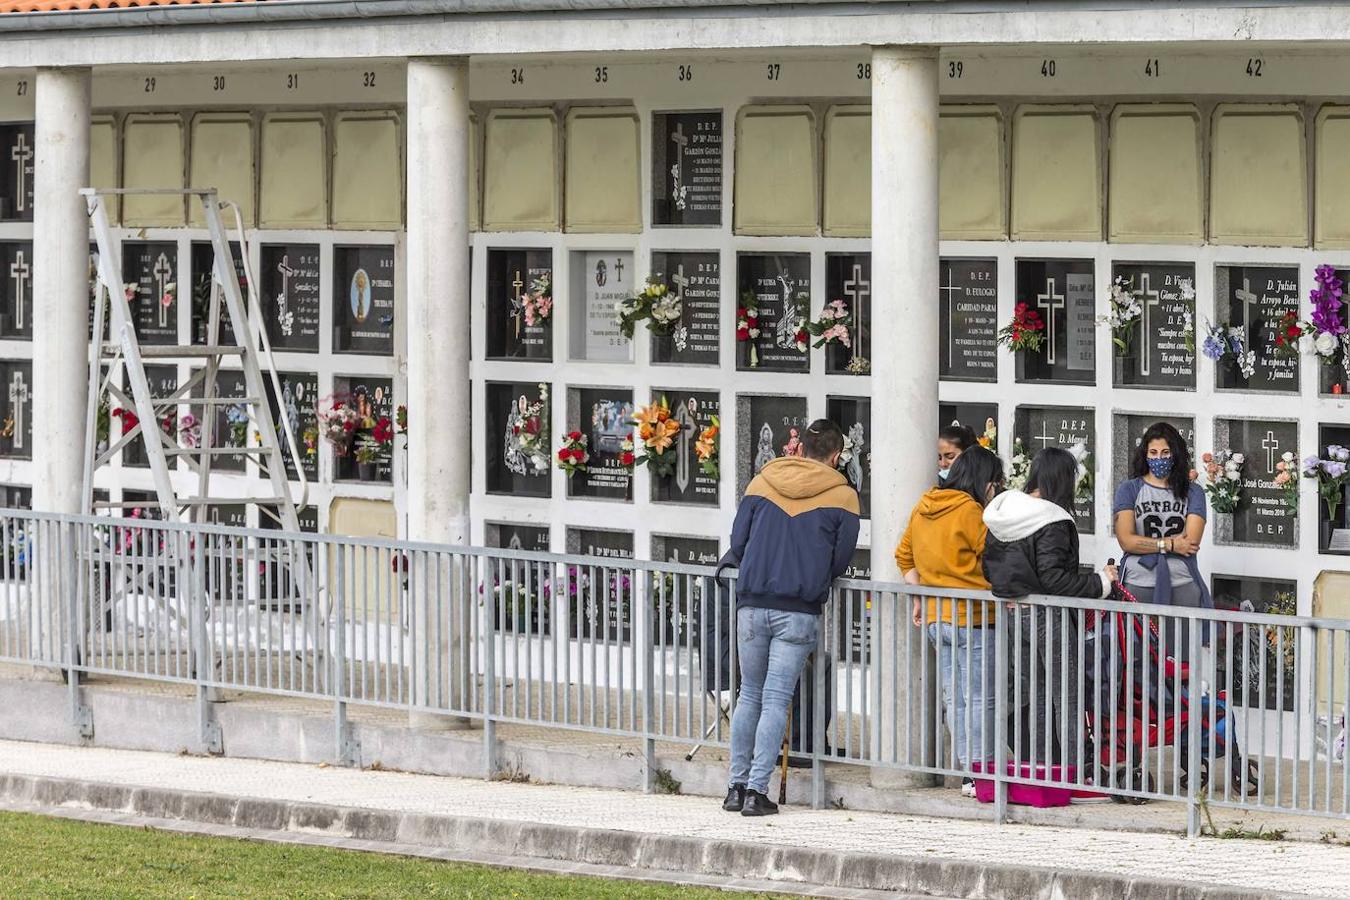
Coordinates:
[735,798]
[756,804]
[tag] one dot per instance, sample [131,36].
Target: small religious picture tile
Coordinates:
[1158,349]
[1063,292]
[604,416]
[679,600]
[520,304]
[363,300]
[297,411]
[372,399]
[163,382]
[16,313]
[16,182]
[848,278]
[968,319]
[1253,300]
[230,426]
[514,536]
[150,270]
[16,437]
[853,415]
[776,288]
[1264,516]
[1128,428]
[518,439]
[601,597]
[769,427]
[981,418]
[1070,428]
[203,277]
[687,168]
[1256,665]
[290,295]
[601,280]
[693,411]
[696,278]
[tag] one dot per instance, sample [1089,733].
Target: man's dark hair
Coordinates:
[821,440]
[972,473]
[1180,479]
[1054,474]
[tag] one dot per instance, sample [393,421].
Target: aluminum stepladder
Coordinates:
[123,352]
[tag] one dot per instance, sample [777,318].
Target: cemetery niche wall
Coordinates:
[516,439]
[16,314]
[1063,292]
[290,295]
[1156,349]
[1251,301]
[696,279]
[687,168]
[520,304]
[774,293]
[770,427]
[848,277]
[1126,432]
[600,598]
[853,415]
[600,279]
[202,259]
[150,270]
[363,300]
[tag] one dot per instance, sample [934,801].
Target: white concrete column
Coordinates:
[905,327]
[438,311]
[60,288]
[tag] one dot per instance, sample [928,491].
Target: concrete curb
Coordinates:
[604,847]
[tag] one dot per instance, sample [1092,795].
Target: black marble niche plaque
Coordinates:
[284,579]
[848,277]
[1063,291]
[290,295]
[163,382]
[1155,354]
[509,468]
[16,314]
[150,269]
[16,496]
[296,409]
[1243,654]
[514,536]
[693,410]
[363,300]
[968,319]
[203,274]
[1264,516]
[1039,427]
[510,273]
[678,601]
[228,427]
[16,182]
[975,416]
[373,399]
[781,283]
[519,590]
[605,416]
[855,617]
[16,397]
[1253,298]
[1128,428]
[600,597]
[853,415]
[1333,536]
[697,279]
[687,168]
[767,426]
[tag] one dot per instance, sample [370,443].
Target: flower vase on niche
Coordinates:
[367,459]
[1223,527]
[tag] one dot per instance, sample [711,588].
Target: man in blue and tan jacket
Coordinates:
[795,532]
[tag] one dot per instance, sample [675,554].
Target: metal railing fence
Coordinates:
[1131,701]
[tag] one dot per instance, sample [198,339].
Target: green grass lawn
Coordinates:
[45,857]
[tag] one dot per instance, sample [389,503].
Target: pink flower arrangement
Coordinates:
[538,302]
[831,326]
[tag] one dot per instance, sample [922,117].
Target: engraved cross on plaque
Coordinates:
[683,469]
[19,270]
[618,271]
[1045,437]
[18,396]
[1248,298]
[950,290]
[681,141]
[1050,301]
[21,153]
[517,305]
[1151,299]
[856,289]
[1270,445]
[162,272]
[284,298]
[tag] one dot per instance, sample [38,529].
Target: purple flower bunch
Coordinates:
[1332,473]
[1326,302]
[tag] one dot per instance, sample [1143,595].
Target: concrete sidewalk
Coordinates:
[842,849]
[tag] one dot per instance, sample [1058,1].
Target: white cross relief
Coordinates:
[285,317]
[1047,302]
[1249,299]
[950,290]
[857,289]
[162,272]
[517,305]
[21,153]
[1270,445]
[20,272]
[682,468]
[18,396]
[1045,437]
[1151,299]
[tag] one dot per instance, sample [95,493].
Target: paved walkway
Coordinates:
[1314,869]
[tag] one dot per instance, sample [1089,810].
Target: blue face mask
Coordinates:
[943,473]
[1160,467]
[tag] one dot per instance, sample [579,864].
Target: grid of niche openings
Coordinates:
[774,291]
[360,289]
[16,309]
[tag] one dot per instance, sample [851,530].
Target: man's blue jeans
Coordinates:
[968,691]
[773,646]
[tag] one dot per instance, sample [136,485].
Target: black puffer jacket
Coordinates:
[1032,548]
